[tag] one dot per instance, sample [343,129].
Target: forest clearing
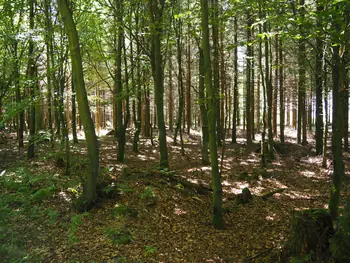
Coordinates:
[174,131]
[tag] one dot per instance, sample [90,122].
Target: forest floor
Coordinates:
[156,216]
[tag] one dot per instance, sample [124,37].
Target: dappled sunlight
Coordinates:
[298,195]
[237,187]
[271,217]
[64,196]
[313,160]
[277,183]
[145,158]
[311,174]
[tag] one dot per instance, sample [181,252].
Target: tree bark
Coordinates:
[89,191]
[217,218]
[157,62]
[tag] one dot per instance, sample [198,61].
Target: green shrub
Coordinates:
[118,236]
[149,250]
[340,242]
[74,226]
[147,193]
[43,194]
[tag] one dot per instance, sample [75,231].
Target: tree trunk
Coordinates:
[178,32]
[188,90]
[157,63]
[338,164]
[268,84]
[74,115]
[203,109]
[216,66]
[119,132]
[170,96]
[248,82]
[33,83]
[235,84]
[281,89]
[89,191]
[275,89]
[217,219]
[302,135]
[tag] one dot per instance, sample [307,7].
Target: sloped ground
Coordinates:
[169,220]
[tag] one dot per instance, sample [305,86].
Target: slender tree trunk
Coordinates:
[189,83]
[345,90]
[138,114]
[275,89]
[89,191]
[258,117]
[248,82]
[235,84]
[157,62]
[178,32]
[20,116]
[203,109]
[74,115]
[216,65]
[268,84]
[217,219]
[302,135]
[120,132]
[338,164]
[170,96]
[281,88]
[30,76]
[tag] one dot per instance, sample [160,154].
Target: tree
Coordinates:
[89,192]
[217,218]
[31,76]
[156,14]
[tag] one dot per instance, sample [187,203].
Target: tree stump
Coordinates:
[245,197]
[311,230]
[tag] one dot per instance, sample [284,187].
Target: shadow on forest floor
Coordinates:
[153,216]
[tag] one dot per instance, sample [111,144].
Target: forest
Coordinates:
[174,131]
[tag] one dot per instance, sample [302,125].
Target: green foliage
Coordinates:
[302,259]
[43,194]
[118,236]
[148,193]
[74,226]
[52,214]
[124,188]
[121,210]
[150,250]
[340,242]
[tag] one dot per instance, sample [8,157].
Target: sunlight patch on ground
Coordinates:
[298,195]
[144,157]
[311,174]
[64,196]
[226,183]
[276,182]
[271,217]
[308,174]
[238,187]
[313,160]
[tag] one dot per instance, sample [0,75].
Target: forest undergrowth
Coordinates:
[147,215]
